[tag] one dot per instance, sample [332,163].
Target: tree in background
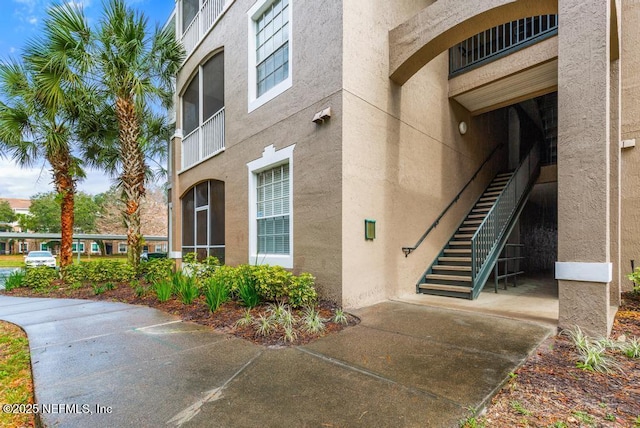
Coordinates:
[6,216]
[45,213]
[134,68]
[44,95]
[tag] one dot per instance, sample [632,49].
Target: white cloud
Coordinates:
[33,20]
[16,182]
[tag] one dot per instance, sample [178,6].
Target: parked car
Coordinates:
[40,258]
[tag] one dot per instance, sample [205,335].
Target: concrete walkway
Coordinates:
[115,365]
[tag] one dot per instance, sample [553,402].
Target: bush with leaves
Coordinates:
[302,291]
[157,269]
[39,277]
[635,277]
[201,270]
[109,270]
[272,282]
[74,273]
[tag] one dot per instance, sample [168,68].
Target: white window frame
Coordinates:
[74,247]
[97,248]
[122,247]
[270,159]
[23,247]
[254,101]
[43,246]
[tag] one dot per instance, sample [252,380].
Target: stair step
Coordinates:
[451,267]
[484,204]
[443,287]
[492,193]
[467,229]
[463,236]
[481,216]
[481,209]
[472,222]
[505,174]
[496,188]
[488,199]
[438,277]
[460,243]
[457,251]
[446,259]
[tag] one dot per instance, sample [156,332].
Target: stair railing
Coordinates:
[485,243]
[409,250]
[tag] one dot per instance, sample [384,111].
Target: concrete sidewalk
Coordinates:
[403,365]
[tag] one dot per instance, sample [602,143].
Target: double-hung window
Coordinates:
[271,208]
[269,51]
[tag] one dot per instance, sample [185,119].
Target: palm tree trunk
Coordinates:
[65,186]
[133,172]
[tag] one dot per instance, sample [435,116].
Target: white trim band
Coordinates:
[578,271]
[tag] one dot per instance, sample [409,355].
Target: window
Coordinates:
[270,208]
[122,247]
[203,220]
[23,247]
[44,246]
[95,248]
[74,247]
[161,248]
[269,51]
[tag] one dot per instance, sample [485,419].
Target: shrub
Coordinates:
[302,291]
[201,270]
[185,287]
[635,277]
[313,322]
[272,282]
[216,292]
[74,273]
[164,289]
[157,269]
[109,270]
[14,280]
[39,277]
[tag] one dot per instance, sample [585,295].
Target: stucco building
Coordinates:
[328,137]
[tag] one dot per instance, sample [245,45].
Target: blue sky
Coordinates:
[20,20]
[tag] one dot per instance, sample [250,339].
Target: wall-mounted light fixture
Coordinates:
[462,127]
[321,116]
[627,144]
[369,229]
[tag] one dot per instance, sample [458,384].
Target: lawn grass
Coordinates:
[17,260]
[16,384]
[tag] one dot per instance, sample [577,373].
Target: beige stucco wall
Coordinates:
[403,158]
[630,64]
[316,40]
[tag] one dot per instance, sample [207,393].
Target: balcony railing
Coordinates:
[201,23]
[499,41]
[204,141]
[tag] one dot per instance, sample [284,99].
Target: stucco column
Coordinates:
[616,197]
[584,265]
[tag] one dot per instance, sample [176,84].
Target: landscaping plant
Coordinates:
[14,280]
[216,292]
[39,277]
[164,289]
[185,287]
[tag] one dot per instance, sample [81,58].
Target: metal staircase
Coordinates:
[464,264]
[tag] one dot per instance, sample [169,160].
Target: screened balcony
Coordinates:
[500,41]
[195,18]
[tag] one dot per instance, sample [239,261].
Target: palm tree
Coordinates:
[135,68]
[42,101]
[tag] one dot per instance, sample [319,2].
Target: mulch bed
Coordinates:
[223,319]
[550,391]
